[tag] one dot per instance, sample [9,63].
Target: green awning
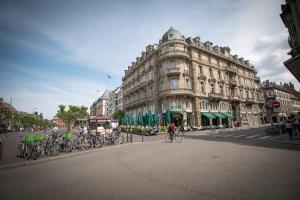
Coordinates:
[208,115]
[227,115]
[219,115]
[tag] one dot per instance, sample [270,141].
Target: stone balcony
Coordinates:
[231,70]
[249,100]
[234,98]
[257,79]
[173,54]
[173,72]
[215,96]
[232,82]
[178,91]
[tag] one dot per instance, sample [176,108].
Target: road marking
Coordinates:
[252,136]
[227,135]
[237,136]
[265,137]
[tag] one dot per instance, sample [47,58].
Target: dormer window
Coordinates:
[171,35]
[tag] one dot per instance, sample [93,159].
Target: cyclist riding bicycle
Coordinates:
[171,130]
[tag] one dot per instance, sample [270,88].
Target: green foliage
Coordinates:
[118,115]
[70,115]
[163,129]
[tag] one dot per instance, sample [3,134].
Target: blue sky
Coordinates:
[59,52]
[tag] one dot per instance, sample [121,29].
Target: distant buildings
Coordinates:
[285,94]
[291,18]
[115,101]
[198,82]
[100,106]
[58,122]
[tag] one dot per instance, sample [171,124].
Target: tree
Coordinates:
[5,118]
[118,115]
[70,115]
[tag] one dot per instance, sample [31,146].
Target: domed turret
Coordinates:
[172,34]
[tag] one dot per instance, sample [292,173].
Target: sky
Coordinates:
[60,52]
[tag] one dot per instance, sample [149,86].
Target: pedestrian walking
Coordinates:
[289,126]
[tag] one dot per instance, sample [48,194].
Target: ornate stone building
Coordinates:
[291,18]
[199,83]
[285,94]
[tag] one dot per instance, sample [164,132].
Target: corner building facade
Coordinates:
[200,84]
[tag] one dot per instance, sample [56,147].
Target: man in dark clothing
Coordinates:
[171,130]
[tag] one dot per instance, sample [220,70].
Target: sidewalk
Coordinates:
[286,139]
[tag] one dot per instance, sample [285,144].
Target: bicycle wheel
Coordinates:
[86,145]
[75,144]
[68,146]
[98,143]
[167,138]
[54,149]
[119,140]
[27,152]
[178,138]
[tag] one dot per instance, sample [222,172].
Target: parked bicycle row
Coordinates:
[39,145]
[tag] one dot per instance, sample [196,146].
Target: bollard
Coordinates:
[131,136]
[1,147]
[142,136]
[127,136]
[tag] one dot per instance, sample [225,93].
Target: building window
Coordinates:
[211,73]
[188,83]
[161,85]
[221,89]
[200,69]
[202,87]
[247,94]
[241,93]
[203,105]
[214,106]
[174,84]
[219,75]
[172,47]
[212,88]
[173,64]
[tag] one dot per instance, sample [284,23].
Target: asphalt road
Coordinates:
[201,167]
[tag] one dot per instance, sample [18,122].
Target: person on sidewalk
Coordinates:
[289,126]
[171,130]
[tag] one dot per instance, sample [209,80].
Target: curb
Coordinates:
[43,160]
[282,142]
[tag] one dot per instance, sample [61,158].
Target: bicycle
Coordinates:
[212,131]
[176,136]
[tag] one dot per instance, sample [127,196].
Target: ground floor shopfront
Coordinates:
[188,111]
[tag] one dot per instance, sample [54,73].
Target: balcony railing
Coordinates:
[234,98]
[231,70]
[176,53]
[178,91]
[173,71]
[232,82]
[257,79]
[215,96]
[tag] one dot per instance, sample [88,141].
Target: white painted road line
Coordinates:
[252,136]
[265,137]
[237,136]
[227,135]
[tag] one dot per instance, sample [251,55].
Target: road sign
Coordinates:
[275,104]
